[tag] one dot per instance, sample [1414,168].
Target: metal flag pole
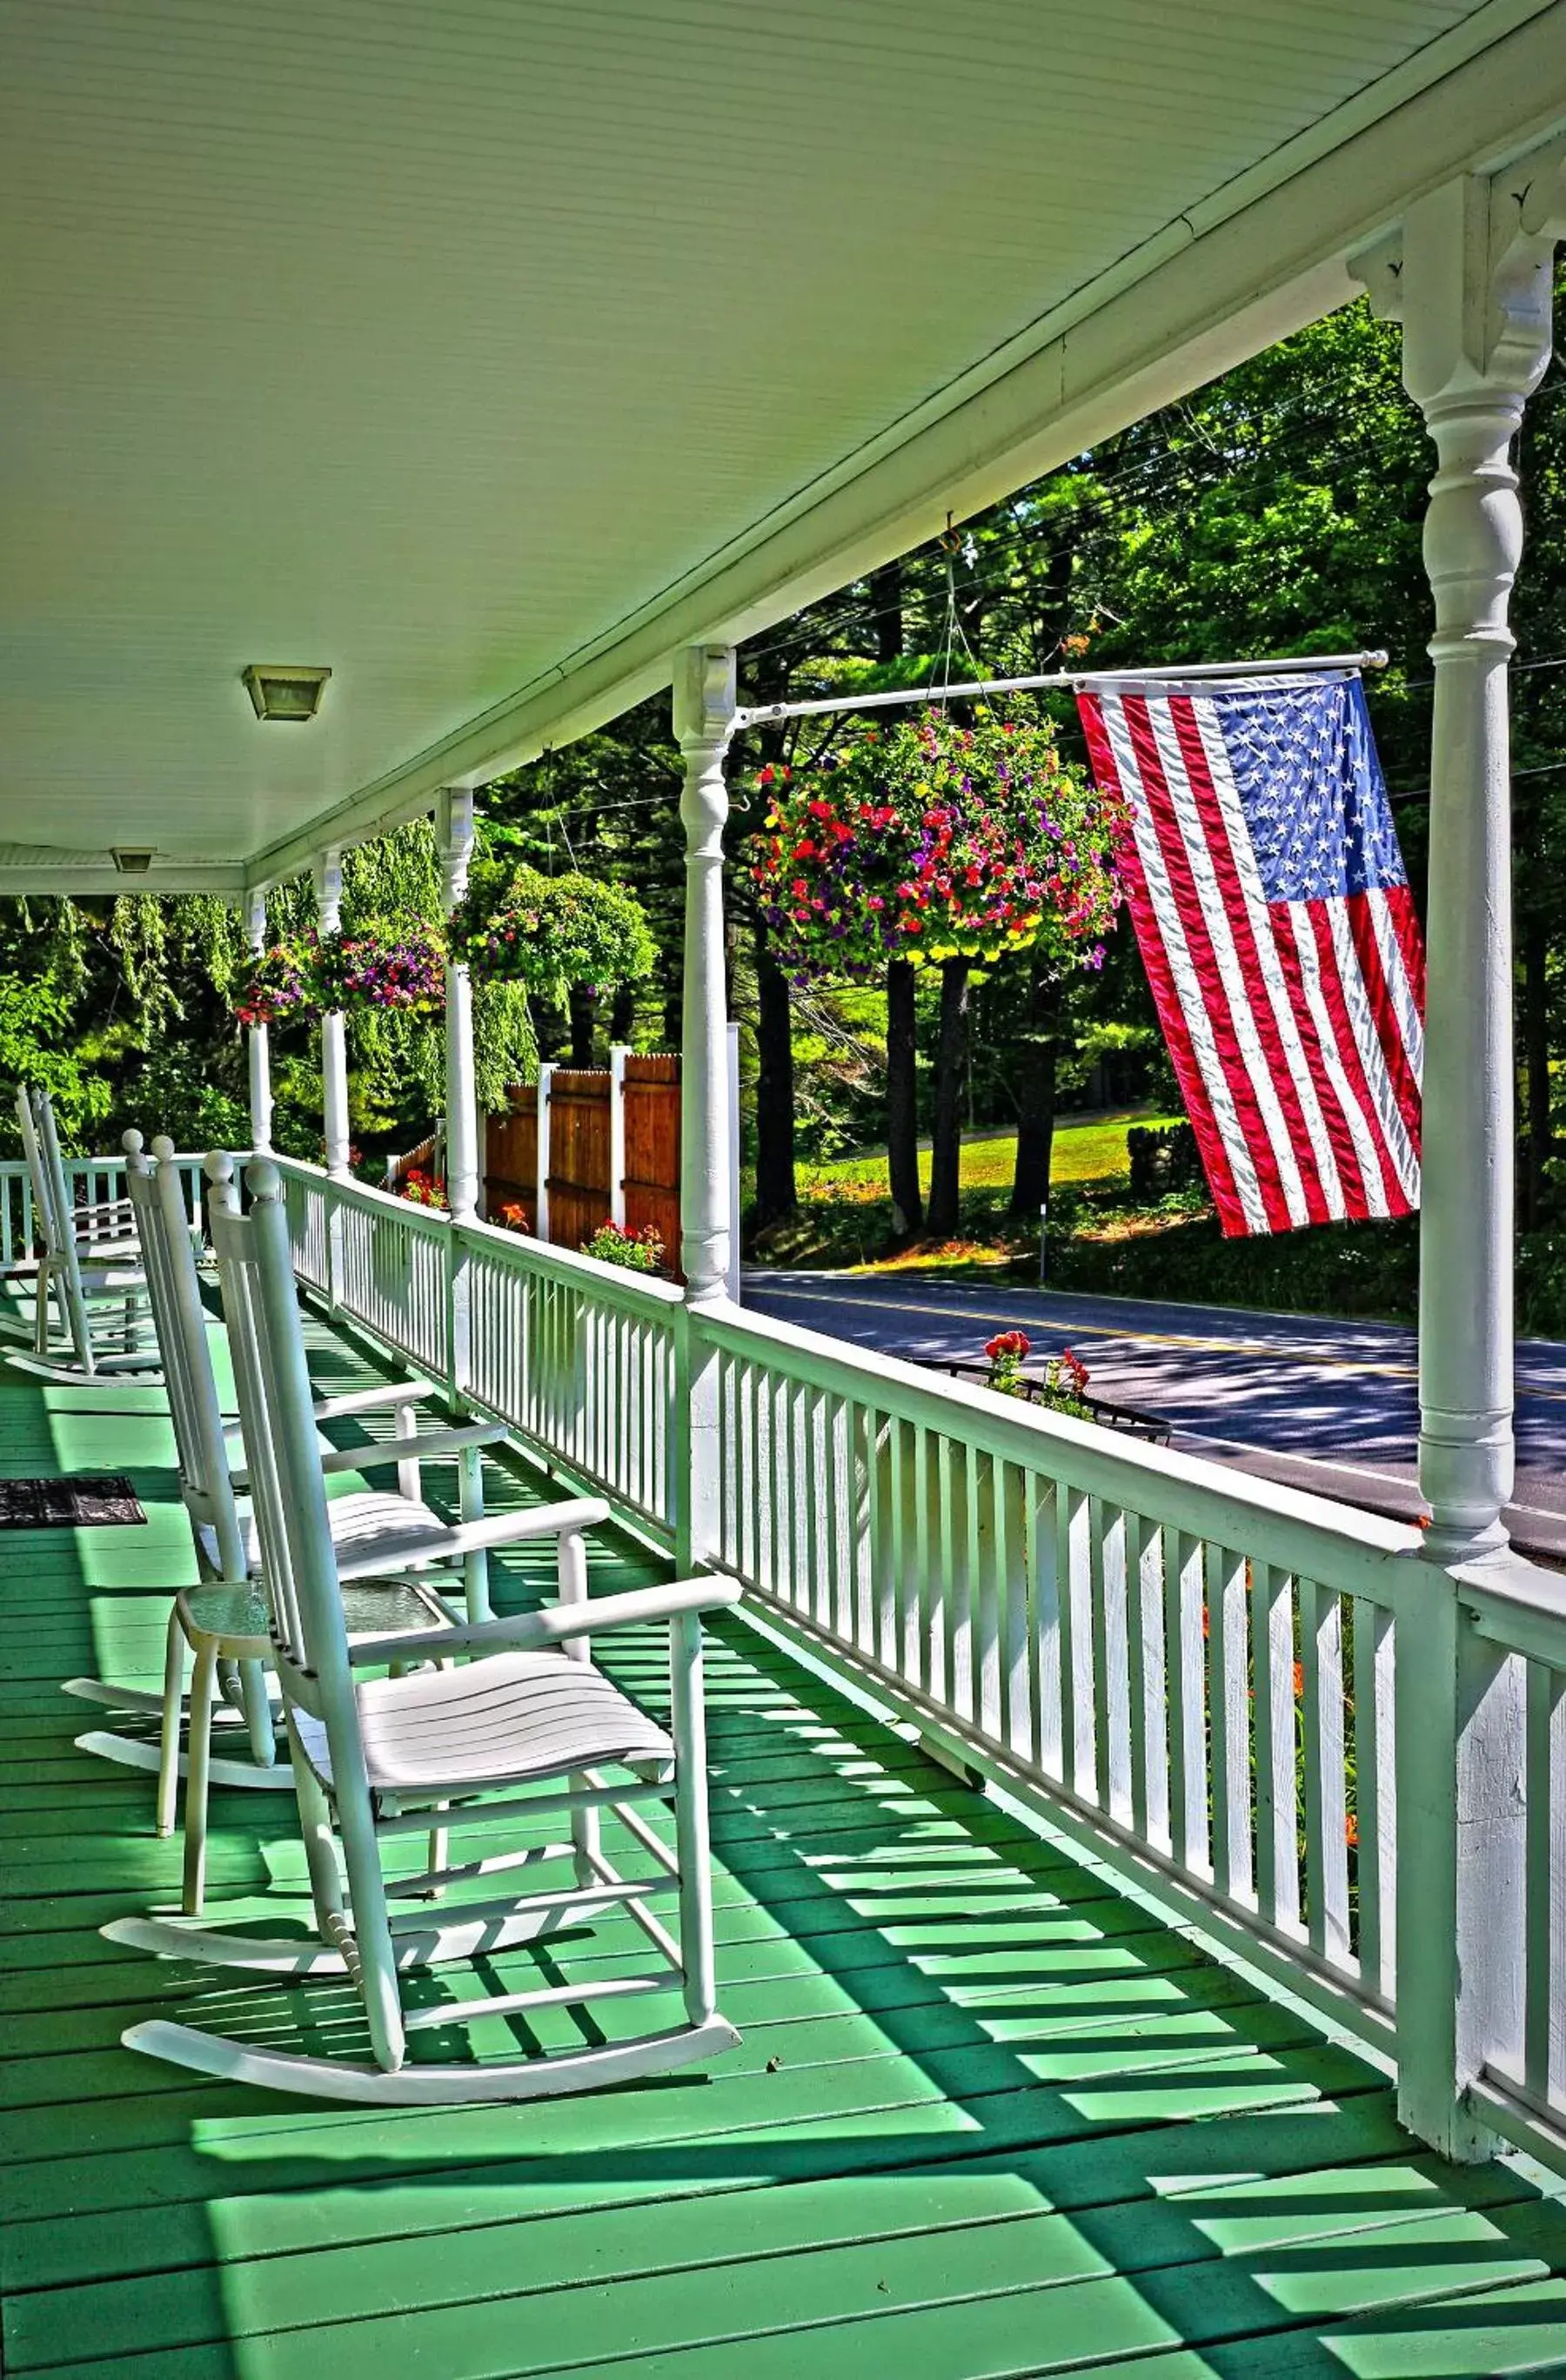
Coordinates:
[1163,673]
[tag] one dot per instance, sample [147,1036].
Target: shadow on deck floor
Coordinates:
[987,2116]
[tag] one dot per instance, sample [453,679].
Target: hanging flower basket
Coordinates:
[281,985]
[368,972]
[380,967]
[549,932]
[936,840]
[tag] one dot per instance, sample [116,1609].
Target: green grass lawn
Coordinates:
[1088,1148]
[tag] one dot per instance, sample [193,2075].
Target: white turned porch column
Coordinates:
[333,1032]
[704,711]
[453,834]
[704,714]
[258,1047]
[1468,274]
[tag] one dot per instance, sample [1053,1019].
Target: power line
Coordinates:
[1298,436]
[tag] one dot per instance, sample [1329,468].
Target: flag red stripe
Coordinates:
[1348,1053]
[1253,961]
[1288,919]
[1160,978]
[1188,907]
[1405,925]
[1383,1008]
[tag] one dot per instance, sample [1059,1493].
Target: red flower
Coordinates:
[1008,1342]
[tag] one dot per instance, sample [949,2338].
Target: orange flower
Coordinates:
[1351,1831]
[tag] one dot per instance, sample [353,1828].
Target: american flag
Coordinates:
[1274,918]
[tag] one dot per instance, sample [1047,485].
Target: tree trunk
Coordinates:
[950,1073]
[776,1194]
[1535,1060]
[1036,1093]
[902,1108]
[584,1017]
[886,604]
[622,1013]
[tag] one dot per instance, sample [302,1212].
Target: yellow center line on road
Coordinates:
[1103,1330]
[1132,1337]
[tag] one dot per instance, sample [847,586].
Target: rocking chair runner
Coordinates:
[529,1720]
[89,1263]
[224,1625]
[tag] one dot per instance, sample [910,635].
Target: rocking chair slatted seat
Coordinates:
[225,1623]
[528,1719]
[97,1279]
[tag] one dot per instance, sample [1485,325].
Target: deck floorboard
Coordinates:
[987,2116]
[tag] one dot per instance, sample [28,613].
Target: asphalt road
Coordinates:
[1326,1405]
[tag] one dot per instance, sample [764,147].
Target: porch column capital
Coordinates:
[254,908]
[327,873]
[705,697]
[453,840]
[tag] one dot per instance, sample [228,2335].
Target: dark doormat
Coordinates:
[84,1500]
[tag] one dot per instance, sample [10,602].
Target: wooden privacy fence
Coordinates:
[582,1146]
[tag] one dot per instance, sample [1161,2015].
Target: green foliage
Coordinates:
[549,932]
[173,1092]
[632,1251]
[505,1047]
[35,1017]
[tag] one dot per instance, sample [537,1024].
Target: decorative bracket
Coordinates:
[1469,274]
[1378,270]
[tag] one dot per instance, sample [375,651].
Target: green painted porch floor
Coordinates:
[987,2116]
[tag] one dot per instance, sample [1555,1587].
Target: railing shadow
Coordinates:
[985,2091]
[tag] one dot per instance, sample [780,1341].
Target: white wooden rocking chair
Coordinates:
[223,1622]
[524,1729]
[91,1264]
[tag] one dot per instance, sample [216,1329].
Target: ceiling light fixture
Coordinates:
[131,863]
[280,693]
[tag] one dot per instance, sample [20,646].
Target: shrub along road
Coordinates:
[1330,1406]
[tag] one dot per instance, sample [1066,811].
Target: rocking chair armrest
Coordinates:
[638,1607]
[472,1536]
[438,1446]
[386,1392]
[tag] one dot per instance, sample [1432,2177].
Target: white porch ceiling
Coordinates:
[486,352]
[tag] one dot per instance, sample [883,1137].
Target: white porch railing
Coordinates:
[93,1180]
[1320,1745]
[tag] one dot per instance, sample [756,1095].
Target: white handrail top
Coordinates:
[1189,1490]
[599,1279]
[1516,1603]
[614,1282]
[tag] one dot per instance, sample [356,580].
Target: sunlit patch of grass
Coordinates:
[1089,1148]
